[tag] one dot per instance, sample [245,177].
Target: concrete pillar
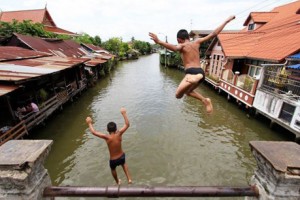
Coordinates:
[278,170]
[22,174]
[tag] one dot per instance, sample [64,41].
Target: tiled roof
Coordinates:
[274,41]
[36,16]
[260,17]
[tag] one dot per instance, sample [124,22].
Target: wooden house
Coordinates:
[63,49]
[237,58]
[278,94]
[28,76]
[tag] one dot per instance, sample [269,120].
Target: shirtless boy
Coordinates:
[114,143]
[189,51]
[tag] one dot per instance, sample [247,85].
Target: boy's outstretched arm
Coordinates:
[164,44]
[216,31]
[127,124]
[89,121]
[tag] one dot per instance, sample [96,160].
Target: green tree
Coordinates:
[142,47]
[25,27]
[97,40]
[116,46]
[87,39]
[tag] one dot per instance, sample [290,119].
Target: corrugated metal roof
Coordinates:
[99,51]
[26,69]
[58,47]
[95,62]
[10,72]
[4,89]
[14,53]
[93,47]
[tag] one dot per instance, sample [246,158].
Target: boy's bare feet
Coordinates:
[119,182]
[209,106]
[129,181]
[194,78]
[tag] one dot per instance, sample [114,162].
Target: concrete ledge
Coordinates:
[22,174]
[278,169]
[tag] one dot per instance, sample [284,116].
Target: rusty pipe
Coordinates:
[147,191]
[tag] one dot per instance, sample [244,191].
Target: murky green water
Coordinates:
[170,142]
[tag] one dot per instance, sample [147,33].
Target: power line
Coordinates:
[251,7]
[258,9]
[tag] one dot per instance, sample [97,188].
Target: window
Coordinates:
[251,27]
[254,71]
[216,65]
[287,112]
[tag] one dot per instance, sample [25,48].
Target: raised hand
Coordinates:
[123,110]
[154,37]
[89,120]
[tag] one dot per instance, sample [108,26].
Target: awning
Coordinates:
[297,66]
[295,56]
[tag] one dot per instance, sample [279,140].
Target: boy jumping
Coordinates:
[114,143]
[189,51]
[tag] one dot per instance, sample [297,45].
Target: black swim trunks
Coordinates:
[114,163]
[195,70]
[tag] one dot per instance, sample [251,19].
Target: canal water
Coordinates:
[170,142]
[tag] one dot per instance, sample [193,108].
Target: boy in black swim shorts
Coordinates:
[114,143]
[189,51]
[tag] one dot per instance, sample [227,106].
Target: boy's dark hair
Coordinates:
[183,34]
[111,127]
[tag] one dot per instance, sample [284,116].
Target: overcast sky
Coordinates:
[135,18]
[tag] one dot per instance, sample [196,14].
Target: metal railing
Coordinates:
[274,82]
[147,191]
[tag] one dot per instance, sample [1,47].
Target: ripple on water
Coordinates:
[170,141]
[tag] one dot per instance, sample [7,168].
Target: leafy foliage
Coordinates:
[141,46]
[116,46]
[26,28]
[87,39]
